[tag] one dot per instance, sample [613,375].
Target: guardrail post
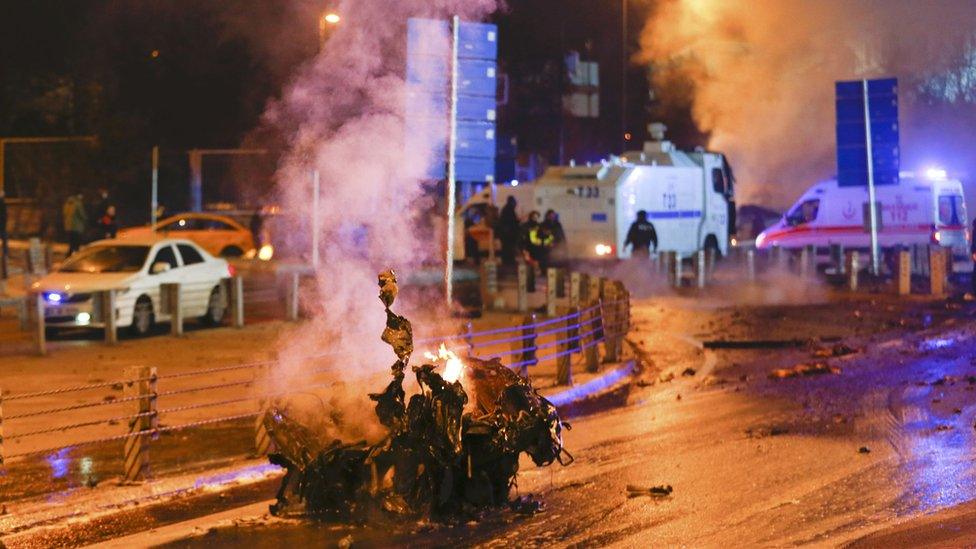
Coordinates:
[711,255]
[853,266]
[610,322]
[262,440]
[591,349]
[677,266]
[805,257]
[23,313]
[700,266]
[489,283]
[291,296]
[469,337]
[141,383]
[106,301]
[528,357]
[937,271]
[1,427]
[236,301]
[592,288]
[751,265]
[40,334]
[552,281]
[171,304]
[564,368]
[522,291]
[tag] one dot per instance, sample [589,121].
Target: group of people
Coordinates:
[538,240]
[75,219]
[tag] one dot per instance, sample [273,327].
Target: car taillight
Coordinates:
[231,271]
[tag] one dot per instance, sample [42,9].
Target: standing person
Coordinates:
[4,249]
[552,225]
[507,229]
[107,226]
[641,235]
[256,226]
[75,220]
[538,242]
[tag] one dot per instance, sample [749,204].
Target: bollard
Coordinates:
[23,313]
[700,266]
[592,288]
[40,336]
[656,263]
[904,282]
[106,300]
[552,280]
[522,298]
[236,301]
[527,357]
[171,303]
[591,349]
[853,268]
[805,262]
[751,265]
[489,284]
[263,444]
[667,265]
[564,350]
[35,257]
[291,297]
[141,387]
[937,271]
[711,257]
[837,258]
[577,289]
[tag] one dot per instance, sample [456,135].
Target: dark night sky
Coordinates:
[87,66]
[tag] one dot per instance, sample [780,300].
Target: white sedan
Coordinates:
[135,268]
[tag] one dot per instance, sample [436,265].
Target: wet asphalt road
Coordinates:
[753,461]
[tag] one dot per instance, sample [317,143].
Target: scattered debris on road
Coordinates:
[688,372]
[764,431]
[661,491]
[943,427]
[864,450]
[753,343]
[444,456]
[812,369]
[837,350]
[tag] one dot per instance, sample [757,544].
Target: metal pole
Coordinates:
[39,335]
[3,145]
[315,219]
[196,180]
[623,75]
[108,316]
[154,201]
[451,152]
[872,205]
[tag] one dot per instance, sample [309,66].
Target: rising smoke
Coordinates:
[761,76]
[344,117]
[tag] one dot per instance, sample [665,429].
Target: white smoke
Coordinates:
[761,75]
[345,116]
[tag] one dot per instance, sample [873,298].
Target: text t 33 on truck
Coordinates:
[924,208]
[688,197]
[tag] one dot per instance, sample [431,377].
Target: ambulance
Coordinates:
[926,208]
[688,196]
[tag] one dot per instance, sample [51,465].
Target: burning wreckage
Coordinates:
[445,455]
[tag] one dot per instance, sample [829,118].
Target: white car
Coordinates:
[135,268]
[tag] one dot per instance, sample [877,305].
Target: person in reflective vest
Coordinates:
[641,236]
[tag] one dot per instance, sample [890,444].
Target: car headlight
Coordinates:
[603,249]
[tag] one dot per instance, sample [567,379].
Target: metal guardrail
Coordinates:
[578,331]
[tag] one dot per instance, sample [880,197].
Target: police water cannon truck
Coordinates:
[689,197]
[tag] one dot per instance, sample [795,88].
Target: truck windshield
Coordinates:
[952,210]
[107,259]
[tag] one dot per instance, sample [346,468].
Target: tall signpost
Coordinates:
[457,93]
[867,144]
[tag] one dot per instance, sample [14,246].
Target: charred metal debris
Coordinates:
[450,451]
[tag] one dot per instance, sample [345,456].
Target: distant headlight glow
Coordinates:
[266,252]
[603,249]
[83,318]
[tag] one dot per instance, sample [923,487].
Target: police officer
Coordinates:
[641,235]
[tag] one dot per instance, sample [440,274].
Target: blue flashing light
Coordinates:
[53,297]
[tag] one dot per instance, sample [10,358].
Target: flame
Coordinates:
[453,367]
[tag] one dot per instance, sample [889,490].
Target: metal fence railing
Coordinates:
[240,392]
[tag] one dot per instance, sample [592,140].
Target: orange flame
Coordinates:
[453,367]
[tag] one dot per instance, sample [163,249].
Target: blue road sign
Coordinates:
[429,78]
[852,163]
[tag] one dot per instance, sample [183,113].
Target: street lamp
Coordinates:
[327,22]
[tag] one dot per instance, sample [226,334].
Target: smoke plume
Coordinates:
[344,115]
[761,76]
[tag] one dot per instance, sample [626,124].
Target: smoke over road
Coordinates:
[343,114]
[760,74]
